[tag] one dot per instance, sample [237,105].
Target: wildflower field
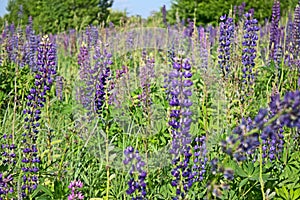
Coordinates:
[147,112]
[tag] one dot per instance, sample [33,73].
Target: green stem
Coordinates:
[244,193]
[107,173]
[107,149]
[15,107]
[49,145]
[261,181]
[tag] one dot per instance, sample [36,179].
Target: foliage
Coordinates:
[118,18]
[52,16]
[209,11]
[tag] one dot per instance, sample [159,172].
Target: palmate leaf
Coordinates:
[229,194]
[240,172]
[243,182]
[290,175]
[250,170]
[47,193]
[286,194]
[296,194]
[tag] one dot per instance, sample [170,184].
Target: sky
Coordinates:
[140,7]
[133,7]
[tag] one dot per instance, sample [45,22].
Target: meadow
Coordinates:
[152,112]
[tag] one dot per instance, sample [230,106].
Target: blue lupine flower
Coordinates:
[249,50]
[225,40]
[46,70]
[266,127]
[274,31]
[136,186]
[179,92]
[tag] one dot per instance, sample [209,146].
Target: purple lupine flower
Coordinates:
[200,160]
[91,36]
[296,36]
[66,43]
[7,150]
[31,46]
[20,47]
[84,93]
[204,49]
[147,75]
[247,145]
[212,34]
[278,54]
[102,70]
[94,35]
[130,40]
[73,42]
[8,158]
[120,82]
[274,32]
[225,40]
[94,76]
[179,92]
[164,15]
[75,194]
[12,44]
[241,10]
[6,183]
[289,40]
[44,78]
[267,125]
[59,87]
[189,30]
[136,184]
[249,51]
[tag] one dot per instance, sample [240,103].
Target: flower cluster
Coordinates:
[164,15]
[249,51]
[75,194]
[7,151]
[102,70]
[147,75]
[85,92]
[204,49]
[241,10]
[200,159]
[289,40]
[6,183]
[296,33]
[225,40]
[273,143]
[212,34]
[94,76]
[239,145]
[189,30]
[117,86]
[274,31]
[11,43]
[137,186]
[59,87]
[267,126]
[8,158]
[31,46]
[36,99]
[179,92]
[91,36]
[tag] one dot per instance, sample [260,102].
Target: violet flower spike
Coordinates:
[46,71]
[225,40]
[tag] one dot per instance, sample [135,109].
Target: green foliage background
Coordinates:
[52,16]
[209,11]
